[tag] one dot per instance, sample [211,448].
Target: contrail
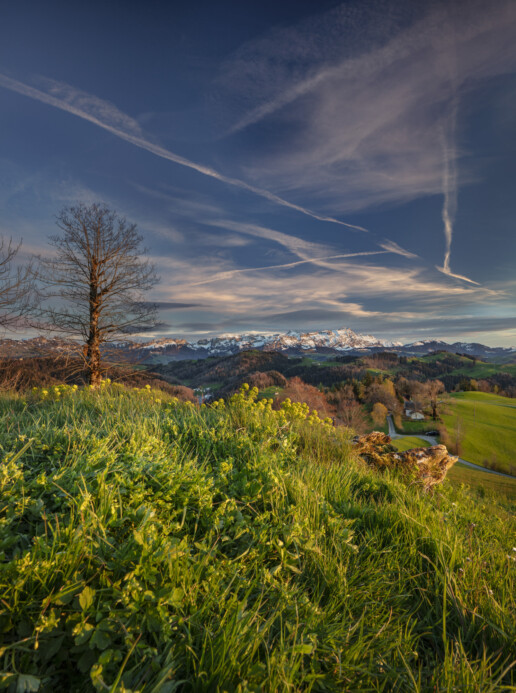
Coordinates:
[449,273]
[142,143]
[449,183]
[230,273]
[393,247]
[449,209]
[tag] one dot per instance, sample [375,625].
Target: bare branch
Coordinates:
[16,286]
[98,277]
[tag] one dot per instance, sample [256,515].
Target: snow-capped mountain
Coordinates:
[292,343]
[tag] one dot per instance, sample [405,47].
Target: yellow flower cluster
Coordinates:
[54,392]
[289,411]
[300,411]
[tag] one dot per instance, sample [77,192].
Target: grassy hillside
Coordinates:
[148,545]
[484,425]
[477,480]
[482,482]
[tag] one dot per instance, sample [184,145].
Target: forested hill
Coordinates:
[228,372]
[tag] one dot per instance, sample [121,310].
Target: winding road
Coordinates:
[433,441]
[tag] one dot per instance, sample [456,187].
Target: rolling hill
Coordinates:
[483,426]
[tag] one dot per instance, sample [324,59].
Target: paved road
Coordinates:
[433,441]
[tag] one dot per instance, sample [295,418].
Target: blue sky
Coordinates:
[292,165]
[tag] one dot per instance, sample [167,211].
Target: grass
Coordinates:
[270,392]
[409,442]
[482,481]
[415,427]
[478,481]
[484,370]
[153,546]
[484,425]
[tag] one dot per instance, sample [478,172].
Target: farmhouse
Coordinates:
[411,411]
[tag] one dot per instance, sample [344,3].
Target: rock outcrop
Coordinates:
[424,466]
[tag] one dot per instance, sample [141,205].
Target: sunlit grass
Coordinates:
[461,474]
[409,442]
[149,545]
[485,427]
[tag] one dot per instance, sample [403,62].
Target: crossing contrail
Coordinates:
[104,109]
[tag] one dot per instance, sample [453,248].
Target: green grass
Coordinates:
[415,427]
[479,481]
[153,546]
[270,392]
[485,426]
[484,370]
[482,481]
[409,442]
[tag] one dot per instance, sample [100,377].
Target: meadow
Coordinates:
[484,427]
[477,480]
[150,545]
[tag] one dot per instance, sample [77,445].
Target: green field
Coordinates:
[152,546]
[485,427]
[270,392]
[461,474]
[415,427]
[482,481]
[409,442]
[469,368]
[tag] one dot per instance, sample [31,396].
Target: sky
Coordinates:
[290,165]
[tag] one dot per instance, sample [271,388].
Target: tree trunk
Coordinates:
[93,349]
[93,361]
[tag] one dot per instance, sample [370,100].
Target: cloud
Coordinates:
[286,265]
[169,305]
[361,95]
[348,291]
[449,273]
[143,329]
[392,247]
[296,245]
[107,117]
[260,293]
[82,104]
[449,209]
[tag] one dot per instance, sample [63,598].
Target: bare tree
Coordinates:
[96,278]
[353,416]
[15,286]
[433,388]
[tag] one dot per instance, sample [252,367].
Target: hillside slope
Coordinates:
[148,545]
[484,426]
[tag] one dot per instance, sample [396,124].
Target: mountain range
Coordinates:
[291,343]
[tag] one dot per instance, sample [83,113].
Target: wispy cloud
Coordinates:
[286,265]
[393,247]
[108,117]
[258,292]
[361,96]
[450,182]
[294,244]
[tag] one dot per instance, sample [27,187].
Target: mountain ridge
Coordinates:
[293,343]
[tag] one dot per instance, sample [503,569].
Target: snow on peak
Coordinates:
[342,339]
